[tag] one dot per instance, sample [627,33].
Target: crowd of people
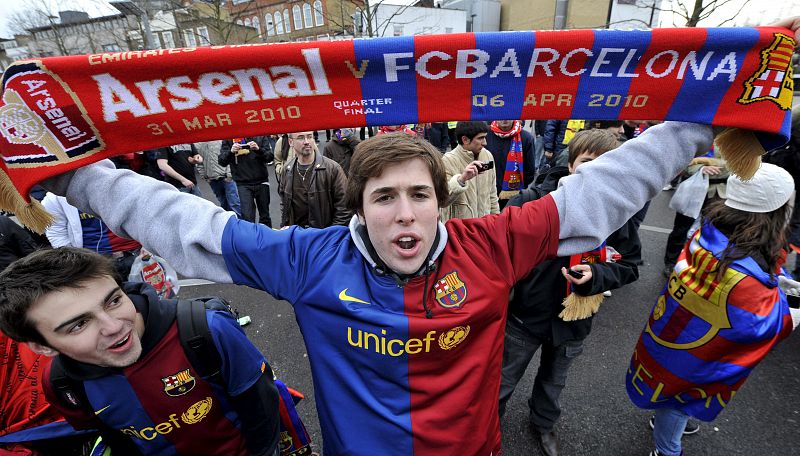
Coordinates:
[426,265]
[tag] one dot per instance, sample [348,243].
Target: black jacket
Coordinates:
[536,301]
[15,242]
[250,168]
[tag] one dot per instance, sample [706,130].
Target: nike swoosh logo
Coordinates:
[344,297]
[101,410]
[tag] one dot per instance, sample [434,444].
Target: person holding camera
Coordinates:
[248,159]
[473,191]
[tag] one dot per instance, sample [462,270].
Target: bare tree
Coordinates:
[689,13]
[367,18]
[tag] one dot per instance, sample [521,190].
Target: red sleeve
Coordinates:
[515,241]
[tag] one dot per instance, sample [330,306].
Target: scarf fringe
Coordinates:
[741,150]
[507,194]
[31,214]
[577,307]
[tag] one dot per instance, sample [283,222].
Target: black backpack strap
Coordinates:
[196,338]
[71,393]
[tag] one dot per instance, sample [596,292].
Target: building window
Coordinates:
[257,25]
[448,30]
[298,17]
[269,24]
[398,30]
[188,37]
[205,38]
[278,23]
[626,2]
[307,21]
[247,22]
[168,39]
[239,21]
[358,22]
[286,20]
[318,19]
[111,48]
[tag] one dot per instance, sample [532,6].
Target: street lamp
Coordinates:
[129,8]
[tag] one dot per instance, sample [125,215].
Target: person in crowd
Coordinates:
[385,129]
[177,162]
[557,135]
[120,343]
[470,178]
[313,187]
[534,319]
[723,309]
[712,165]
[436,134]
[537,129]
[283,153]
[15,242]
[219,177]
[398,311]
[248,158]
[149,162]
[788,158]
[512,149]
[74,228]
[340,149]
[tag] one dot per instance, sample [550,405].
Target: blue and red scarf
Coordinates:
[706,334]
[60,113]
[513,178]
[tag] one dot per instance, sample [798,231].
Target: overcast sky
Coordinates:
[756,9]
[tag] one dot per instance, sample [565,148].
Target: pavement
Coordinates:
[597,418]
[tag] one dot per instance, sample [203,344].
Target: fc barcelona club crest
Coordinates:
[450,291]
[773,80]
[178,384]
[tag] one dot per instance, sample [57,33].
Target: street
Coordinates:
[597,418]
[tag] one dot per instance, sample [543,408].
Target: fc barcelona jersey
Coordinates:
[388,380]
[160,401]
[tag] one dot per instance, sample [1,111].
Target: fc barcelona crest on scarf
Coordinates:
[773,80]
[450,291]
[178,384]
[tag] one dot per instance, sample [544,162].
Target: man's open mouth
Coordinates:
[406,242]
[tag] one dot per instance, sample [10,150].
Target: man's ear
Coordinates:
[42,349]
[361,218]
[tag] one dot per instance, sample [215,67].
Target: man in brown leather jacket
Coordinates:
[312,187]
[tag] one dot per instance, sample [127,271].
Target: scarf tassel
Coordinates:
[577,307]
[741,150]
[31,214]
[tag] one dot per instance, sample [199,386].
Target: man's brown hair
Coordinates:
[377,153]
[596,142]
[26,280]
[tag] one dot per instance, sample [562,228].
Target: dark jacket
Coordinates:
[341,151]
[325,194]
[536,301]
[15,242]
[437,135]
[250,168]
[499,148]
[554,131]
